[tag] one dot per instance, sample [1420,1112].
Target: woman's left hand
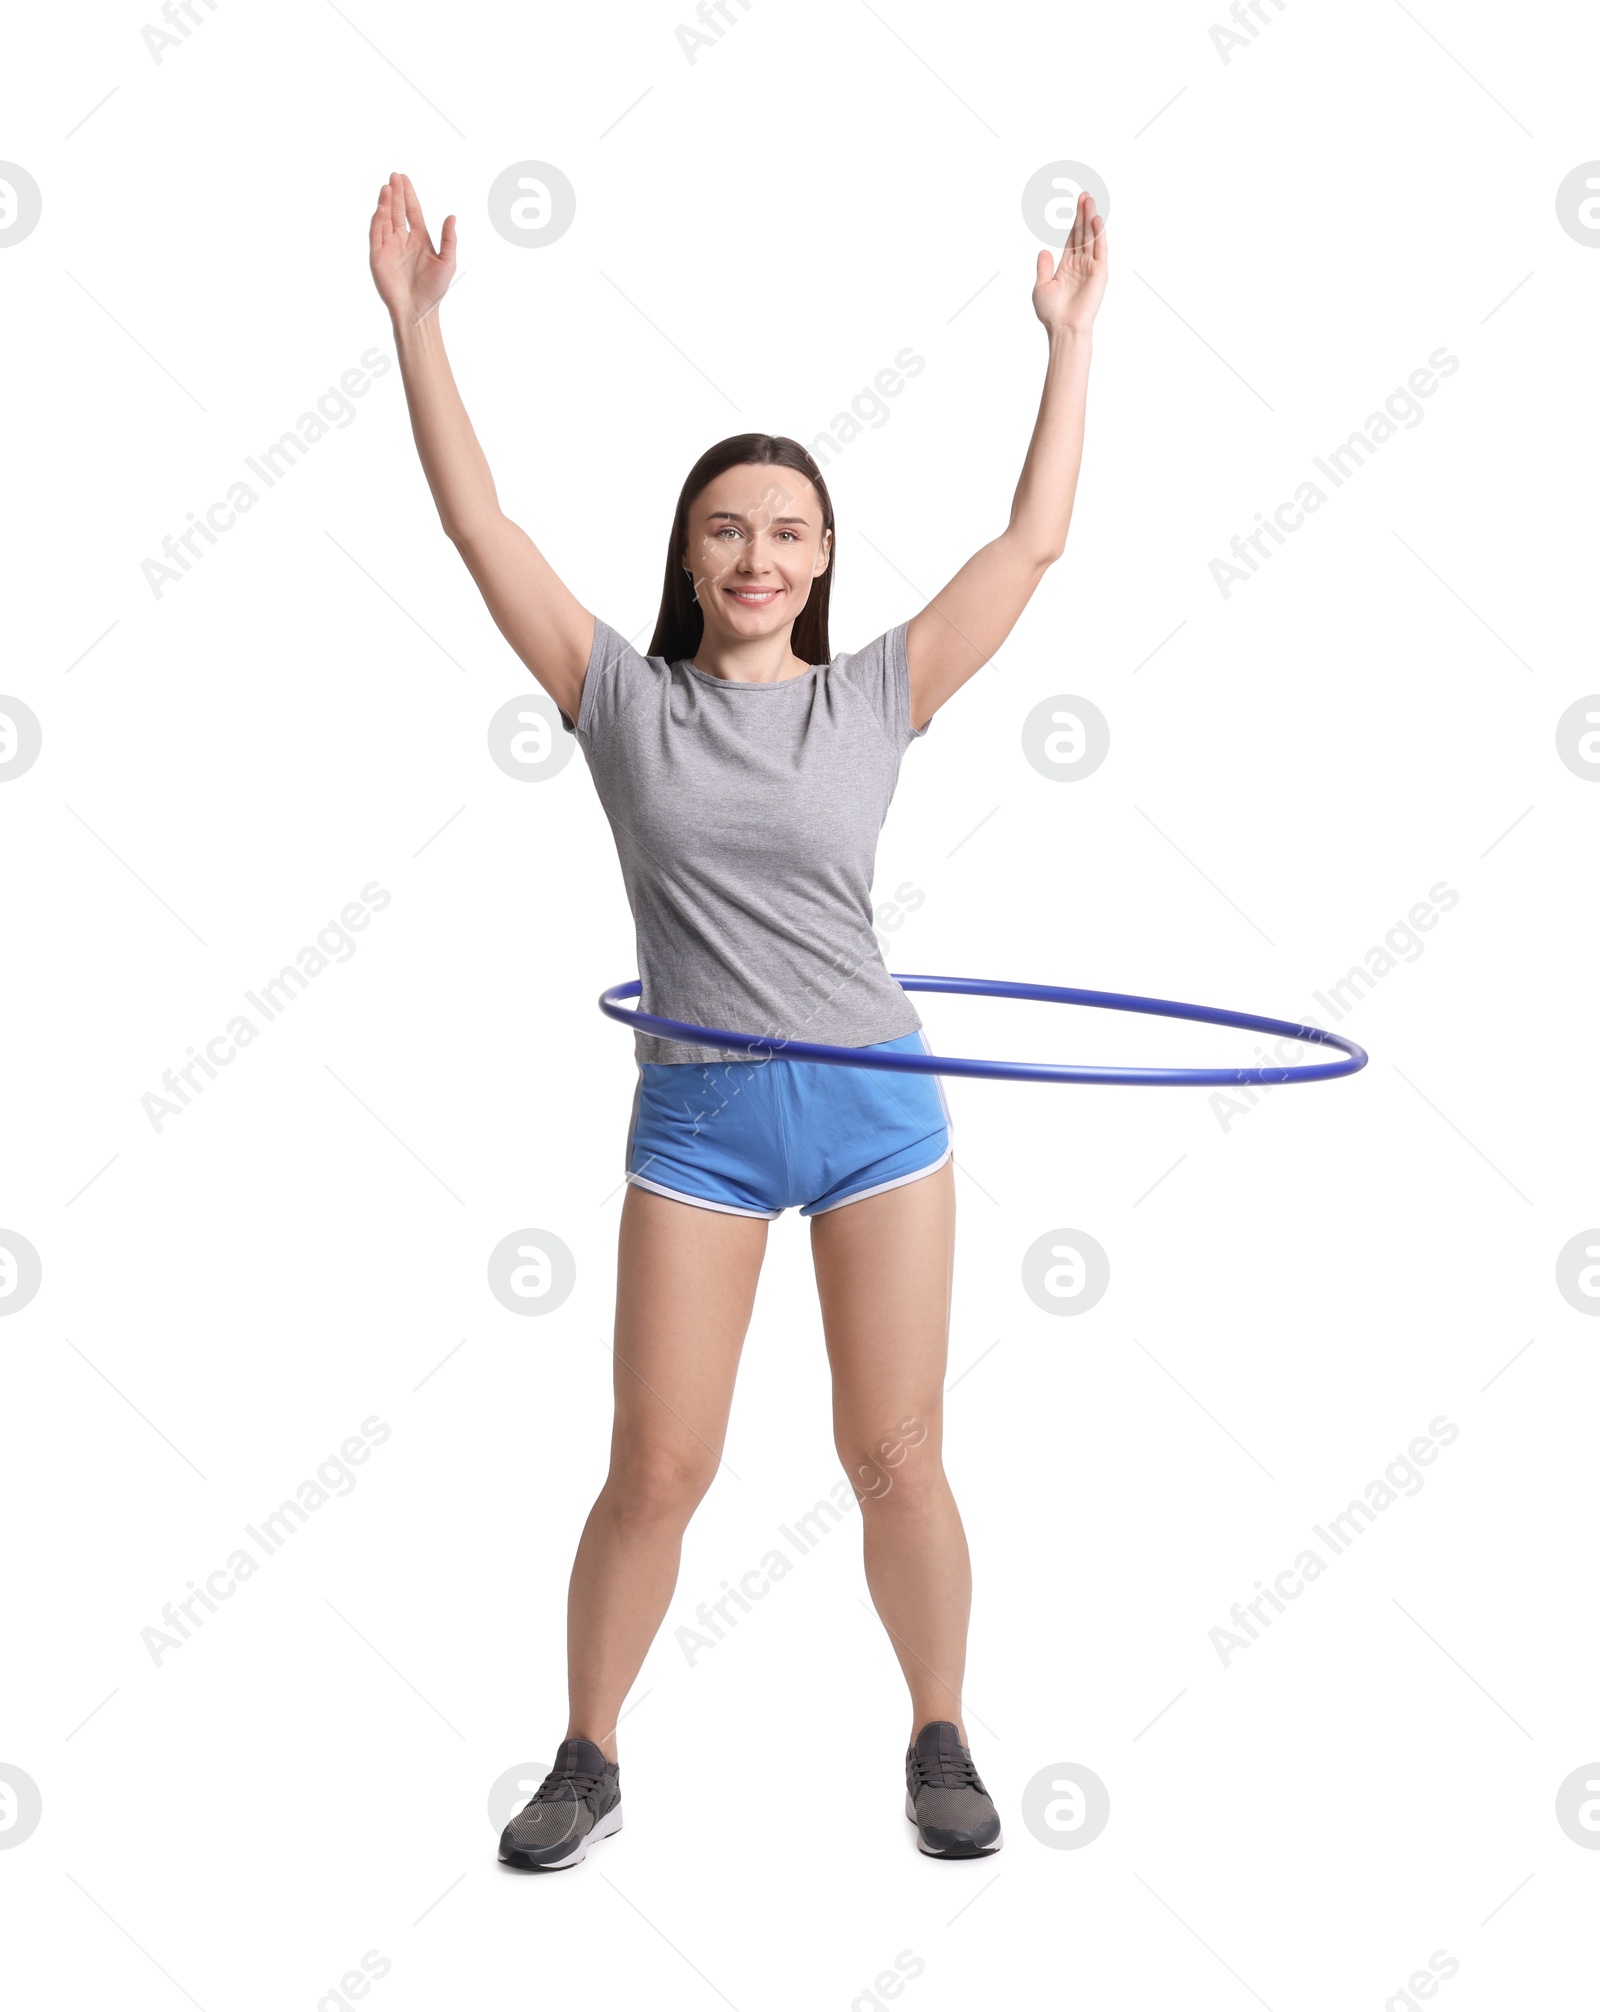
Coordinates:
[1069,297]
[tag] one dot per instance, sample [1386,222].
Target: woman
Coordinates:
[746,772]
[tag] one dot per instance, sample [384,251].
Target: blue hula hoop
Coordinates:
[763,1048]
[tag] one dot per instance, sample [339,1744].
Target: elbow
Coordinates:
[463,532]
[1039,553]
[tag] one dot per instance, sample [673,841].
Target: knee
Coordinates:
[655,1485]
[902,1463]
[905,1478]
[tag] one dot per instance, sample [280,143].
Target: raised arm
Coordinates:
[550,630]
[967,621]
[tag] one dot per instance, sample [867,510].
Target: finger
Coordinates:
[1100,250]
[397,206]
[447,241]
[1080,220]
[1041,268]
[413,207]
[383,219]
[1070,246]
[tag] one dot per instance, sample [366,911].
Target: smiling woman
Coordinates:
[746,770]
[754,530]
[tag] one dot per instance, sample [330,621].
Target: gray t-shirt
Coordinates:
[746,818]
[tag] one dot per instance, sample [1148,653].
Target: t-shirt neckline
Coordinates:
[748,684]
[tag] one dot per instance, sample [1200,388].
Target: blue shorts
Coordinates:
[755,1138]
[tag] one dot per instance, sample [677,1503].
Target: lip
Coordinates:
[754,597]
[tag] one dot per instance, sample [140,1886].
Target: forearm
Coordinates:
[454,463]
[1041,509]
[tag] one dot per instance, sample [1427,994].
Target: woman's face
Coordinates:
[755,544]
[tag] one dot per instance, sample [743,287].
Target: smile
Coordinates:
[754,597]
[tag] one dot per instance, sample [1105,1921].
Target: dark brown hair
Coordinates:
[680,625]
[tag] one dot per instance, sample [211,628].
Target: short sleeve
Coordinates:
[882,677]
[613,677]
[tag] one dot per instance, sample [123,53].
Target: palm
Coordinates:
[1069,296]
[411,277]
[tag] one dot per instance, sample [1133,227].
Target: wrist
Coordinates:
[413,333]
[1068,335]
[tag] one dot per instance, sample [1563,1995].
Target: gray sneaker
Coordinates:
[945,1798]
[578,1801]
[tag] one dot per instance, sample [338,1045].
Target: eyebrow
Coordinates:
[738,517]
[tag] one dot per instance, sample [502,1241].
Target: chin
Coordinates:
[772,615]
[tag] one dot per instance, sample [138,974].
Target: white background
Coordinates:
[1294,1294]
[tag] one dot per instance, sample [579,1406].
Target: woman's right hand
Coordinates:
[411,277]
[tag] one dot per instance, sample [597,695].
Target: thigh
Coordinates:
[884,1267]
[686,1282]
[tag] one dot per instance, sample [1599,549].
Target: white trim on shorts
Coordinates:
[899,1181]
[700,1202]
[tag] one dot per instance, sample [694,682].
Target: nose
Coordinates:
[754,558]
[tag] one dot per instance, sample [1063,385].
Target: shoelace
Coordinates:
[947,1771]
[575,1785]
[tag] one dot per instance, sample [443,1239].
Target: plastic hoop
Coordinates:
[763,1048]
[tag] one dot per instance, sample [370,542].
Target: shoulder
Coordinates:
[878,672]
[613,679]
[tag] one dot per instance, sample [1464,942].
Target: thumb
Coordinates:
[1042,268]
[447,239]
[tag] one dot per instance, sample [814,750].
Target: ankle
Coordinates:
[607,1743]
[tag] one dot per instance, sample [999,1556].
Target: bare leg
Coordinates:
[686,1281]
[884,1267]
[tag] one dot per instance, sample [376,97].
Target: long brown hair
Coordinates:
[680,624]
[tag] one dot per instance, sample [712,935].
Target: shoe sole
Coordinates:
[976,1851]
[608,1826]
